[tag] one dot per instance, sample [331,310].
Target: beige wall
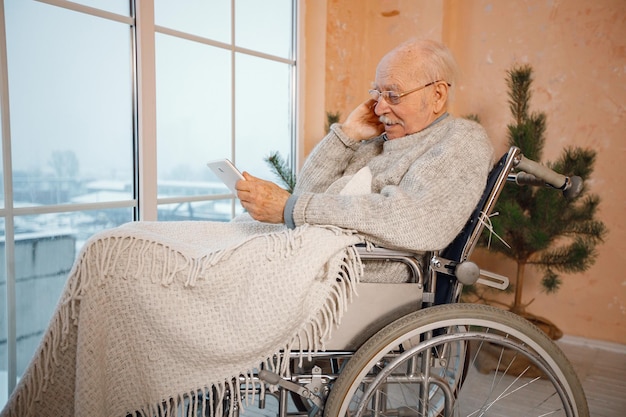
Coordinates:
[577,49]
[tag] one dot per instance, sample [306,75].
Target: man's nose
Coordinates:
[381,107]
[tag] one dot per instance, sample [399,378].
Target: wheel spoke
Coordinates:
[479,361]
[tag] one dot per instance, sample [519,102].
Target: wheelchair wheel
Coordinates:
[458,360]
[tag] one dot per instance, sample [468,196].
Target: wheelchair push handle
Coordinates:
[533,173]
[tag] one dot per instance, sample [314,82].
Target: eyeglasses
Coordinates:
[393,97]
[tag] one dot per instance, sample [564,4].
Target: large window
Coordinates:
[73,151]
[223,85]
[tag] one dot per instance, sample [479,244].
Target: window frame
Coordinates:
[150,213]
[145,201]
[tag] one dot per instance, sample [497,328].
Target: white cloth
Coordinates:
[155,312]
[359,184]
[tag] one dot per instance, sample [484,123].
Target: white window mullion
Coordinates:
[233,103]
[89,10]
[146,108]
[9,229]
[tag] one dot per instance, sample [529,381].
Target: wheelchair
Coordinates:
[412,349]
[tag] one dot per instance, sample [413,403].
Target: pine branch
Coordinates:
[551,282]
[282,169]
[578,256]
[592,230]
[473,117]
[576,161]
[332,118]
[518,81]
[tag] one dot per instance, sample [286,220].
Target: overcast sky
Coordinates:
[70,86]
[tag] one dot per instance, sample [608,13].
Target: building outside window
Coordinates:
[74,141]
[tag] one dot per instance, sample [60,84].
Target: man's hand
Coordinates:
[264,200]
[362,123]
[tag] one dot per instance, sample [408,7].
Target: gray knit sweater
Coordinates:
[424,186]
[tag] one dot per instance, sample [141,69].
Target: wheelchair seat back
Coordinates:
[463,245]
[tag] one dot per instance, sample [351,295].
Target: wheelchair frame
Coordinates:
[419,359]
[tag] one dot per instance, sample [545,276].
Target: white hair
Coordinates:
[426,61]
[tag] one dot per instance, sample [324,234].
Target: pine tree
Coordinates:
[542,228]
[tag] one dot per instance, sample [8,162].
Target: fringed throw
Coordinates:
[161,318]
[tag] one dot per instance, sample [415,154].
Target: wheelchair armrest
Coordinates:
[411,259]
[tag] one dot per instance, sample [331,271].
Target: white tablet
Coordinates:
[227,172]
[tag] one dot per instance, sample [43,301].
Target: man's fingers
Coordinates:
[249,177]
[371,103]
[264,200]
[247,183]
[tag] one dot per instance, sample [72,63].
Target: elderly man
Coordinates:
[400,171]
[156,316]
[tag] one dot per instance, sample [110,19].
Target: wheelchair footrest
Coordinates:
[303,391]
[494,280]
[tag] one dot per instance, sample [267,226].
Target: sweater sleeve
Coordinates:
[327,162]
[429,205]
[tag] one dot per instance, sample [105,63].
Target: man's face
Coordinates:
[415,110]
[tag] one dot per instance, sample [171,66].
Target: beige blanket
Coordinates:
[155,313]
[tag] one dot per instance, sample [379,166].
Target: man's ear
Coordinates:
[440,96]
